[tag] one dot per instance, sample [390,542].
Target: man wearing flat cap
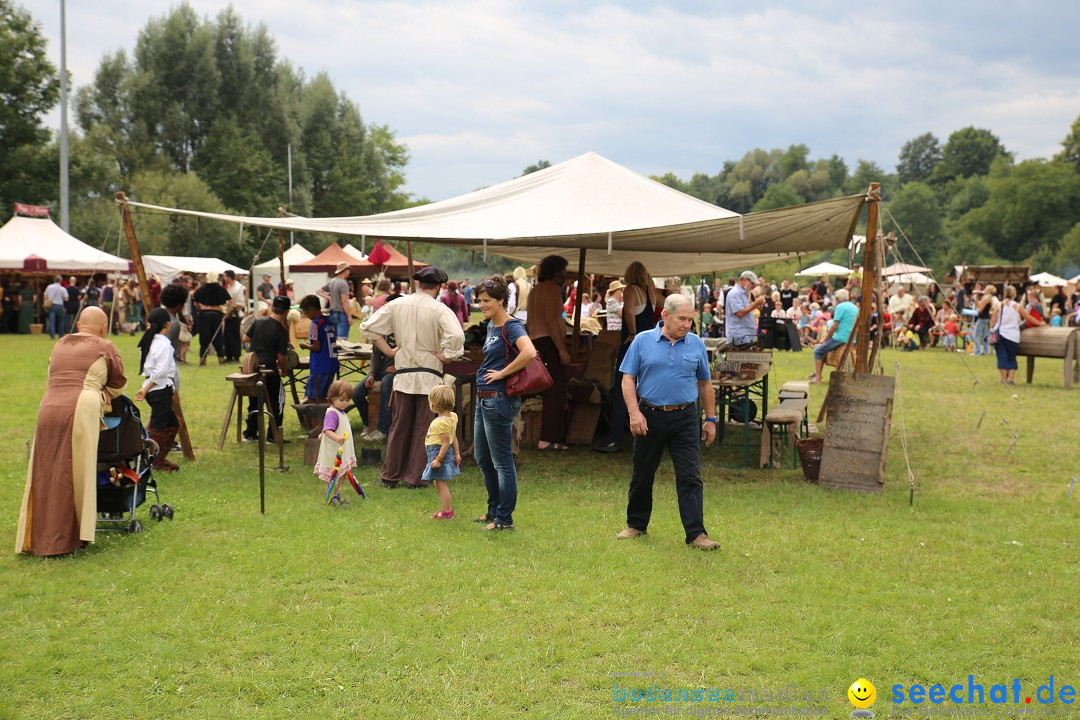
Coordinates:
[337,293]
[428,335]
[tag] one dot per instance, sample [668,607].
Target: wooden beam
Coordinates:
[870,279]
[136,256]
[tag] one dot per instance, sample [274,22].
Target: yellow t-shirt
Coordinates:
[439,426]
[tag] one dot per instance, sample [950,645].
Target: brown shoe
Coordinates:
[630,533]
[702,542]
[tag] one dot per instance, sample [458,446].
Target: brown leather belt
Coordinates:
[488,393]
[665,408]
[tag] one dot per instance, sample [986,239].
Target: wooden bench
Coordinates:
[1052,342]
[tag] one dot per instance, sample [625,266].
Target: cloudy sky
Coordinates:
[479,90]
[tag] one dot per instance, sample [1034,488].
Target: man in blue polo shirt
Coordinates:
[843,320]
[665,370]
[740,325]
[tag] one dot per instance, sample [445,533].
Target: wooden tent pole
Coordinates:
[574,348]
[133,246]
[412,271]
[136,258]
[871,270]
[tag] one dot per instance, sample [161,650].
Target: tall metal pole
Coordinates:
[65,219]
[292,236]
[871,270]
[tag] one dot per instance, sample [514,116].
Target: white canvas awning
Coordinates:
[166,267]
[1045,279]
[38,244]
[591,203]
[825,268]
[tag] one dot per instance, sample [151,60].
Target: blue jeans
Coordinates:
[385,390]
[827,347]
[57,321]
[493,434]
[341,323]
[982,336]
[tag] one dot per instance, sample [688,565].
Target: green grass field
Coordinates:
[374,610]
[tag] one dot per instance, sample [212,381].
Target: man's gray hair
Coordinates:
[841,295]
[675,301]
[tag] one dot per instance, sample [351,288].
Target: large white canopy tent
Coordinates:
[166,267]
[824,268]
[590,203]
[37,244]
[272,267]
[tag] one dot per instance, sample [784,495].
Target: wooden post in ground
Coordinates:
[136,256]
[185,438]
[871,270]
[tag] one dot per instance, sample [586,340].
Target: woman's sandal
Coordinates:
[498,526]
[485,518]
[443,515]
[552,446]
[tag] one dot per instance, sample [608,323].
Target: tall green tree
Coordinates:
[1034,205]
[918,158]
[969,151]
[915,210]
[1070,146]
[29,88]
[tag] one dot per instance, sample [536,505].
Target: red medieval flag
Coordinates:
[379,255]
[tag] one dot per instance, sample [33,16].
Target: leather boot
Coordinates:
[164,439]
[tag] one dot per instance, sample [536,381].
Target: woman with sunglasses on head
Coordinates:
[507,349]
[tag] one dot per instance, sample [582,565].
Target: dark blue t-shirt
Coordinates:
[495,352]
[325,361]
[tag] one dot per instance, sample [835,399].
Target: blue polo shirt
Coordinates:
[667,373]
[735,326]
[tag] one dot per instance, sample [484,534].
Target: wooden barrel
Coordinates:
[1053,342]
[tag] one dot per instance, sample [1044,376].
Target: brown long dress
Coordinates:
[59,508]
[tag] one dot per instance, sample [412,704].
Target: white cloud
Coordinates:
[479,90]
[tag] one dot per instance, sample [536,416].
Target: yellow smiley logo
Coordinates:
[862,693]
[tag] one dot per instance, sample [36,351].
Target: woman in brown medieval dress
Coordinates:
[59,508]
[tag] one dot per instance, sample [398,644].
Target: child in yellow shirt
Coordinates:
[442,433]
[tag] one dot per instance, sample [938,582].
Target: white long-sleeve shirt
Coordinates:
[160,366]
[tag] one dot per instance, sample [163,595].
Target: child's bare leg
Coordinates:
[444,495]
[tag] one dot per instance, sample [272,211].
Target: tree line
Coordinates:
[204,113]
[962,201]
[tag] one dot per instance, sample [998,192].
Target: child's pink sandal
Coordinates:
[443,515]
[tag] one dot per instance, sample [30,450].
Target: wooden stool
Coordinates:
[246,385]
[776,432]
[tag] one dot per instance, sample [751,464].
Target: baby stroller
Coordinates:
[125,453]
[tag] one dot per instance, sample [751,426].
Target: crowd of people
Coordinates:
[661,368]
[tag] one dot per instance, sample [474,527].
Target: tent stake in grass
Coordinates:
[1068,493]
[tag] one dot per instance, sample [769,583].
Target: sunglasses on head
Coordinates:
[488,284]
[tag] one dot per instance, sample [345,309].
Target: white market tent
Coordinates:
[166,267]
[916,278]
[352,251]
[825,268]
[295,254]
[592,204]
[1048,280]
[37,244]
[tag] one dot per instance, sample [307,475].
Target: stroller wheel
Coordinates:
[134,526]
[167,511]
[155,513]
